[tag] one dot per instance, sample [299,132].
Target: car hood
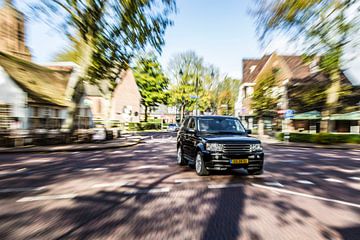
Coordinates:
[230,139]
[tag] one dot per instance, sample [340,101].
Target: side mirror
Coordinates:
[248,131]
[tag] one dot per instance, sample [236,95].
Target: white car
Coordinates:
[99,134]
[173,127]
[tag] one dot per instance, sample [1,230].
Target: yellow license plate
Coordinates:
[239,161]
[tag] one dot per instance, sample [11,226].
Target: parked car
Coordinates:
[99,133]
[173,127]
[218,143]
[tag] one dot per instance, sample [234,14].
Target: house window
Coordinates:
[5,116]
[35,112]
[252,68]
[249,91]
[45,118]
[57,113]
[191,124]
[83,118]
[99,107]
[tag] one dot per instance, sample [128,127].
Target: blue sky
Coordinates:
[221,31]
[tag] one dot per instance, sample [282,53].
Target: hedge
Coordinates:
[144,126]
[321,138]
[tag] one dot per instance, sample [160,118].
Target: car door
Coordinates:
[189,136]
[193,139]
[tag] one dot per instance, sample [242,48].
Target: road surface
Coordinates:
[140,193]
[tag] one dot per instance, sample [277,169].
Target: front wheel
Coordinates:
[180,156]
[200,166]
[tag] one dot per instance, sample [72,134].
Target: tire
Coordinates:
[200,165]
[180,156]
[255,172]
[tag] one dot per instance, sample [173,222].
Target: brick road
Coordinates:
[140,193]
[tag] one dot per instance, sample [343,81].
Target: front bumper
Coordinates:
[220,161]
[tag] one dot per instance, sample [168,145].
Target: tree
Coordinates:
[152,83]
[106,34]
[191,77]
[328,27]
[226,94]
[265,98]
[310,94]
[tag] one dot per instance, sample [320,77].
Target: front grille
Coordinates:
[235,149]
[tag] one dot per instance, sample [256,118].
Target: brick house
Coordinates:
[293,71]
[122,107]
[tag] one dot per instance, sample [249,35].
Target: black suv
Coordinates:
[218,143]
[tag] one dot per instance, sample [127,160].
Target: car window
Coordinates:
[191,124]
[185,123]
[212,124]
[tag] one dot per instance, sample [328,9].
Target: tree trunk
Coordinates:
[331,101]
[109,110]
[146,114]
[261,127]
[182,113]
[333,91]
[76,90]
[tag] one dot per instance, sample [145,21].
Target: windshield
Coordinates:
[220,125]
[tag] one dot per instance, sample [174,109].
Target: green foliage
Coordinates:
[70,54]
[226,94]
[191,76]
[265,99]
[307,97]
[326,25]
[107,34]
[321,138]
[279,136]
[327,28]
[151,81]
[144,126]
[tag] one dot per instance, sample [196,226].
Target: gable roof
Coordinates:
[296,64]
[42,84]
[96,90]
[102,88]
[250,75]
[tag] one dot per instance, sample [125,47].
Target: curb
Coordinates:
[314,146]
[29,150]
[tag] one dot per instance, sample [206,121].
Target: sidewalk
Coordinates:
[266,140]
[116,143]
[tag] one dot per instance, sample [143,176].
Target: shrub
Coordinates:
[321,138]
[279,136]
[144,126]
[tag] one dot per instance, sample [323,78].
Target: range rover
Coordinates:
[218,143]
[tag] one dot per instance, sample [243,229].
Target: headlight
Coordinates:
[215,147]
[255,147]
